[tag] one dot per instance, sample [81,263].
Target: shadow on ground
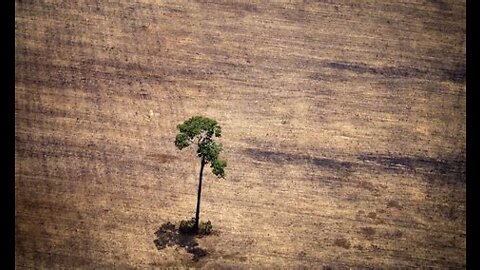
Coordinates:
[168,235]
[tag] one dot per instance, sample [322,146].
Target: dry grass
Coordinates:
[331,111]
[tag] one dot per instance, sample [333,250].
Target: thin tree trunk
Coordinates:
[197,214]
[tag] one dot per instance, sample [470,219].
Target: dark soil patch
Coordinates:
[369,232]
[394,204]
[384,71]
[342,242]
[289,158]
[455,167]
[393,235]
[168,235]
[457,74]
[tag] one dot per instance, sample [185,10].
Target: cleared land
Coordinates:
[343,123]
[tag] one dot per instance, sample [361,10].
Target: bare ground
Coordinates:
[343,123]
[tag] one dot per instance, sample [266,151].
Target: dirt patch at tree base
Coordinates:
[168,235]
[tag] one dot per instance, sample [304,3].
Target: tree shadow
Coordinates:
[168,235]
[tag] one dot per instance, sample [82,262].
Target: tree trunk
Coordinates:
[197,214]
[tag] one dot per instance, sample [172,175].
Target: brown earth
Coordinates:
[343,124]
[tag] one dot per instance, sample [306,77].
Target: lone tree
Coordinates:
[202,131]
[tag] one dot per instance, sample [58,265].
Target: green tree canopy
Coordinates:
[202,130]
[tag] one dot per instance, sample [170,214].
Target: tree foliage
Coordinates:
[202,131]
